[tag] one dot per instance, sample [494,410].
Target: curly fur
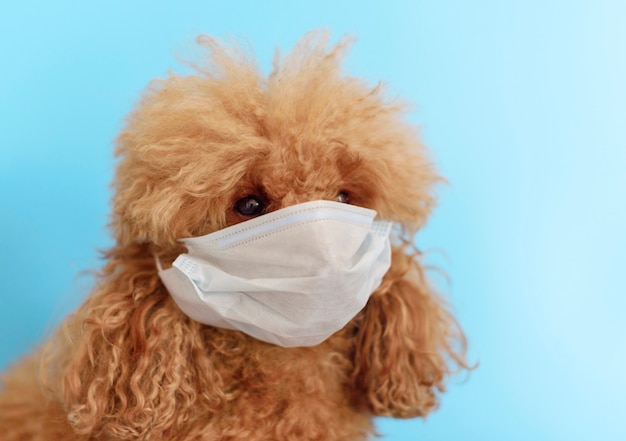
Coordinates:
[129,365]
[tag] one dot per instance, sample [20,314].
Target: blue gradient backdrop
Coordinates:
[522,103]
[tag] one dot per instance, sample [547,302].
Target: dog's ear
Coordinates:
[122,369]
[406,344]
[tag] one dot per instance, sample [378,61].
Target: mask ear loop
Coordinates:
[158,263]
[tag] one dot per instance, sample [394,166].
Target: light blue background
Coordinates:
[522,102]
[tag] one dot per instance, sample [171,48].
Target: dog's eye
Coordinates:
[251,205]
[343,197]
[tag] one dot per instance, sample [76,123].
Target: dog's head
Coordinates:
[206,151]
[209,150]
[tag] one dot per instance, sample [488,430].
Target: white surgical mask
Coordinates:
[292,277]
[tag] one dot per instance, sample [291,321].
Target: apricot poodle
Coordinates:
[208,151]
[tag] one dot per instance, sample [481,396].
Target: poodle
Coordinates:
[212,150]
